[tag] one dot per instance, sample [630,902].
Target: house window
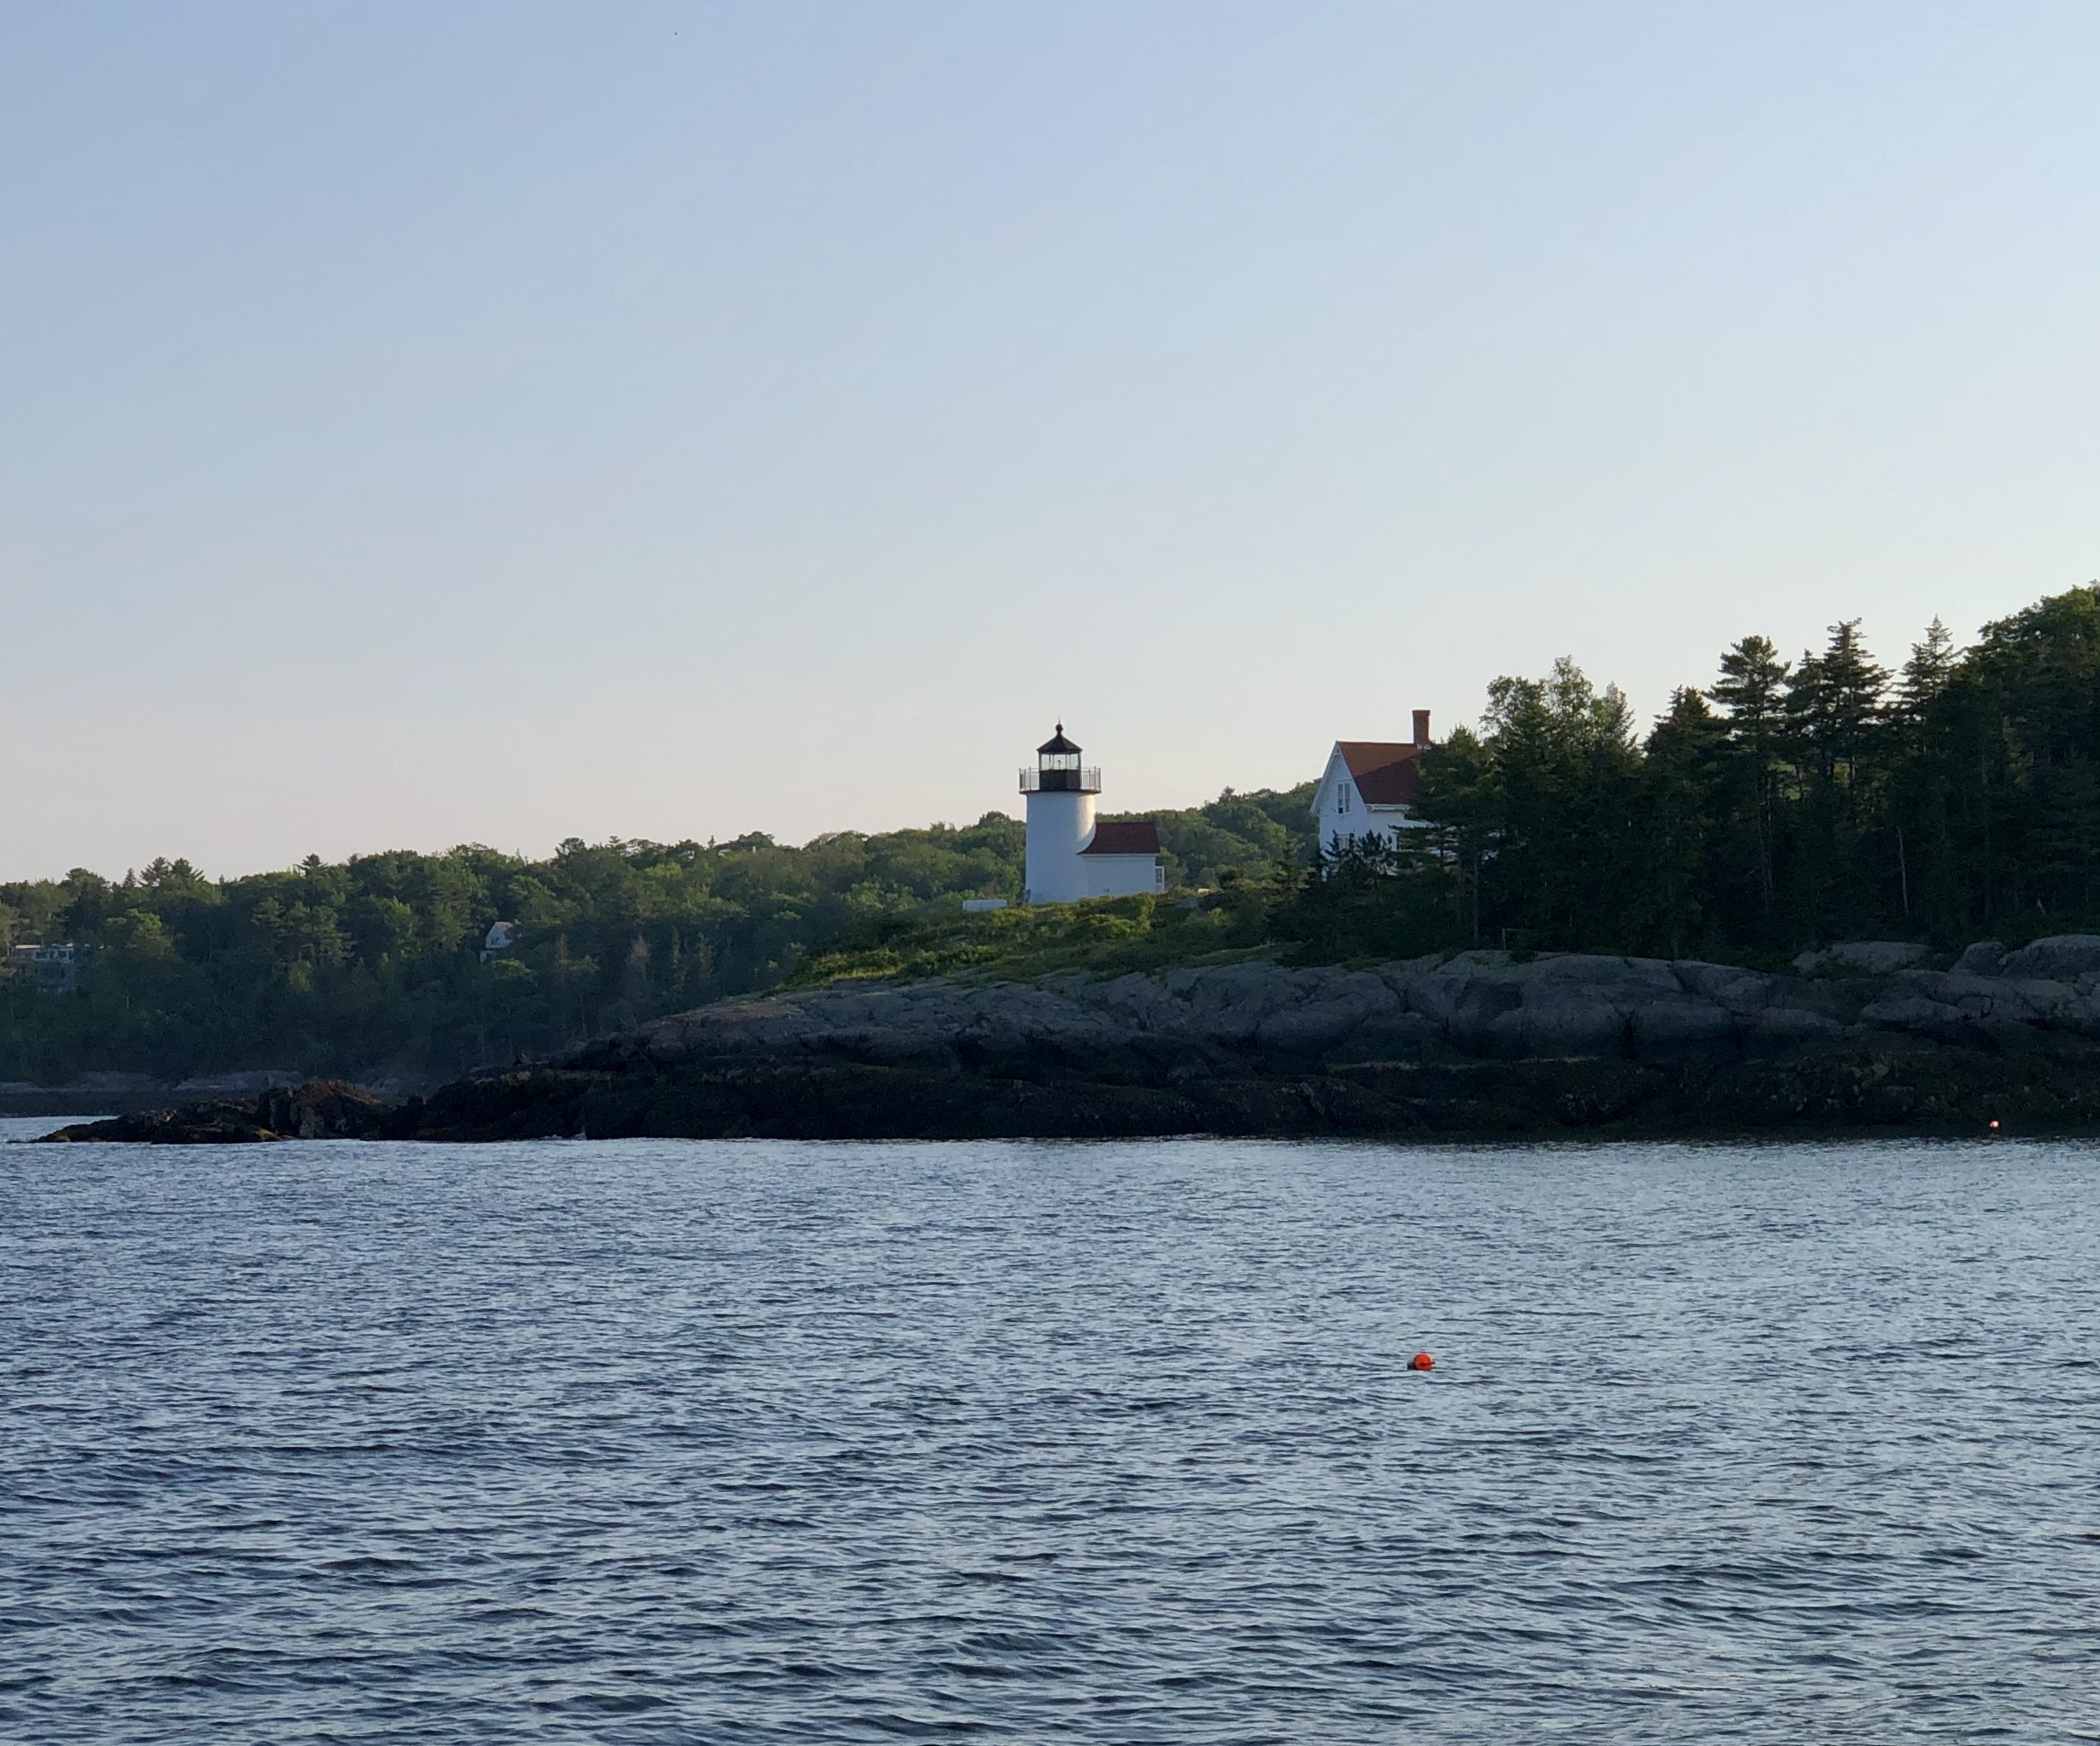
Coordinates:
[1342,797]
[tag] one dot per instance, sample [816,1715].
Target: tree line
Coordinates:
[377,963]
[1784,803]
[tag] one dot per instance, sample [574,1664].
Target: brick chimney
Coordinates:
[1421,728]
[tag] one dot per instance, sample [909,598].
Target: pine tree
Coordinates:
[1926,674]
[1834,723]
[1684,764]
[1753,689]
[1922,780]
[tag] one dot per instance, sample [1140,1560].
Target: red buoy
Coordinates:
[1422,1361]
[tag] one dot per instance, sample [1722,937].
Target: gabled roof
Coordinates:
[1385,770]
[1124,836]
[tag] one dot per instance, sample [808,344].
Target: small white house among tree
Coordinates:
[53,969]
[1069,856]
[1369,789]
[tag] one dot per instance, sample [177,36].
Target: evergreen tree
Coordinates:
[1833,710]
[1683,772]
[1922,781]
[1567,770]
[1461,796]
[1753,689]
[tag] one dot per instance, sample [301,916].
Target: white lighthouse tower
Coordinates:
[1069,856]
[1060,822]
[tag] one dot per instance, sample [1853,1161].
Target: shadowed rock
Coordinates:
[1875,956]
[322,1108]
[1480,1042]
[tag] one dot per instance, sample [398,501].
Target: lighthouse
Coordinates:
[1069,856]
[1060,820]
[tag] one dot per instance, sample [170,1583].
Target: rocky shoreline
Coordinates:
[1868,1035]
[141,1094]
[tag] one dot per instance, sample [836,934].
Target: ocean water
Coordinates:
[657,1442]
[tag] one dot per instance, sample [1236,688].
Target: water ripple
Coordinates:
[655,1442]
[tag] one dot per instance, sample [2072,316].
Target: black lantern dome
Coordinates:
[1058,768]
[1057,753]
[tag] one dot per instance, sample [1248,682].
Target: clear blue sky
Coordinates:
[431,422]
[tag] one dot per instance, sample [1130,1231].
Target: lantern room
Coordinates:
[1059,771]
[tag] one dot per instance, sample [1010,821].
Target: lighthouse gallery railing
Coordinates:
[1052,781]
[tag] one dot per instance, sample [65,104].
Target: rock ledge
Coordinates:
[1476,1042]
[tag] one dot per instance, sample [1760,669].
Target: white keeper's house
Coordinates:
[1369,788]
[1069,856]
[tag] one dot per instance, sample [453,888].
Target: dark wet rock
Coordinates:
[1903,1086]
[1481,1042]
[129,1094]
[322,1108]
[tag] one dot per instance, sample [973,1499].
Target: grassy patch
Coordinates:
[1107,937]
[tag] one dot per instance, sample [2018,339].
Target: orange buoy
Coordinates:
[1994,1124]
[1422,1361]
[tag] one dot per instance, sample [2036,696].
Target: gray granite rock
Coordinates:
[1985,959]
[1485,1006]
[2061,958]
[1474,1043]
[1877,958]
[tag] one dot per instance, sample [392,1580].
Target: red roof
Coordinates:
[1386,772]
[1124,836]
